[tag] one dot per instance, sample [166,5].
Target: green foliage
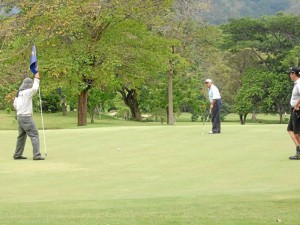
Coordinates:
[105,44]
[97,99]
[274,40]
[51,103]
[292,58]
[237,62]
[139,55]
[110,45]
[252,91]
[188,96]
[271,38]
[263,91]
[279,92]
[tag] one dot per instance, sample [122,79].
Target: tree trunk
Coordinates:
[170,92]
[100,111]
[92,114]
[64,105]
[245,117]
[242,118]
[82,102]
[130,99]
[82,108]
[281,118]
[170,98]
[254,116]
[135,111]
[281,113]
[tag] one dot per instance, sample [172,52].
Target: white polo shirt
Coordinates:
[296,93]
[213,93]
[23,103]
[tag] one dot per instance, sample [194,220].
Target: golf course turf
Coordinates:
[158,175]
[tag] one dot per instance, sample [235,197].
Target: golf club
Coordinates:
[204,123]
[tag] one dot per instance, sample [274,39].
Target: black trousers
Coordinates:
[216,116]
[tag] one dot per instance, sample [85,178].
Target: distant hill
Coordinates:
[11,12]
[223,10]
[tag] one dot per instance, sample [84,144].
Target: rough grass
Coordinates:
[160,175]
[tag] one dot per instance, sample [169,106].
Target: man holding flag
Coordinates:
[23,106]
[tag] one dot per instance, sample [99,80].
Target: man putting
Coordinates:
[294,123]
[215,106]
[23,106]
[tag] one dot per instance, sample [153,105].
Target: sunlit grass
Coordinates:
[162,175]
[58,121]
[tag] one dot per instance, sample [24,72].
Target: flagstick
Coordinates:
[43,122]
[34,69]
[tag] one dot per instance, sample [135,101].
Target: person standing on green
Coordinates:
[215,106]
[26,125]
[294,122]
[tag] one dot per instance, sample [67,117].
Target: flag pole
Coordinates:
[34,68]
[44,136]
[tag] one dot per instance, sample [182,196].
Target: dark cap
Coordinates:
[295,70]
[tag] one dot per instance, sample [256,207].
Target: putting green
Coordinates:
[152,175]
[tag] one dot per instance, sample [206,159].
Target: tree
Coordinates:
[271,39]
[236,64]
[184,24]
[96,99]
[292,58]
[75,29]
[12,69]
[250,94]
[262,90]
[276,100]
[140,59]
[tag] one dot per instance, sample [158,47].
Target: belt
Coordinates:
[25,115]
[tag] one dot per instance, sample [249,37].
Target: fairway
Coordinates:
[156,175]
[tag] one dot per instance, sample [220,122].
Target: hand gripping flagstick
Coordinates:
[34,70]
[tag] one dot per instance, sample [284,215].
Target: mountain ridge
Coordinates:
[224,10]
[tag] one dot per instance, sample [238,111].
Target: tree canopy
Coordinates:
[154,55]
[273,40]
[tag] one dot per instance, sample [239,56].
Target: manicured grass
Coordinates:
[58,121]
[160,175]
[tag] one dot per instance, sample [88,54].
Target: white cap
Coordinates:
[208,81]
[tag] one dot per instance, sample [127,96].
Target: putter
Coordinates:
[204,123]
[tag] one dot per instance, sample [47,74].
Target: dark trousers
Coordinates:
[294,122]
[216,117]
